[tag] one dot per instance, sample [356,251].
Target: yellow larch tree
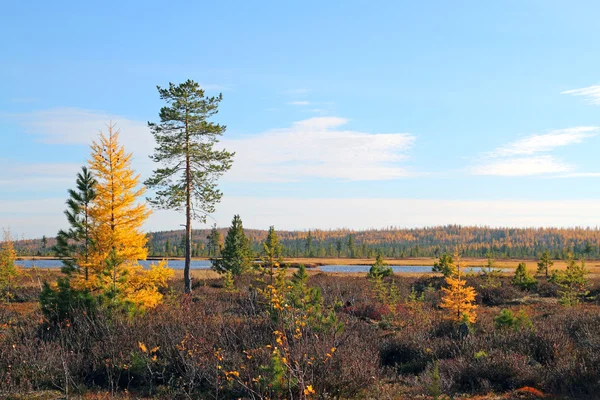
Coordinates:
[117,218]
[457,297]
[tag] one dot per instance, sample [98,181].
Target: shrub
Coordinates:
[498,371]
[63,302]
[572,283]
[506,319]
[380,269]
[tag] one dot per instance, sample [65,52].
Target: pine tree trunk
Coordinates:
[187,279]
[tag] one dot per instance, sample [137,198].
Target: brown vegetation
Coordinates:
[220,344]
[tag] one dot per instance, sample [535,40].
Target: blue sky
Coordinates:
[342,113]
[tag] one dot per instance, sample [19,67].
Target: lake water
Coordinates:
[205,264]
[175,264]
[396,268]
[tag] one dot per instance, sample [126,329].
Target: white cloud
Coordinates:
[319,148]
[521,158]
[35,177]
[522,166]
[74,126]
[79,126]
[547,141]
[299,103]
[591,93]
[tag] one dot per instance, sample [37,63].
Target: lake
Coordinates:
[205,264]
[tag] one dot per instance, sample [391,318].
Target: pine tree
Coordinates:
[572,283]
[191,166]
[445,265]
[308,245]
[74,246]
[522,278]
[545,263]
[351,248]
[458,298]
[380,268]
[236,254]
[214,241]
[339,246]
[271,253]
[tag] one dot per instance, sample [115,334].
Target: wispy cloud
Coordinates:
[312,148]
[319,148]
[522,166]
[35,177]
[547,141]
[521,157]
[299,103]
[72,126]
[590,93]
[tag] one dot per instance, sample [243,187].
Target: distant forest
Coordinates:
[391,242]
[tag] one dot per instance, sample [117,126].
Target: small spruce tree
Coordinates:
[572,283]
[380,268]
[523,278]
[236,255]
[544,263]
[445,265]
[272,258]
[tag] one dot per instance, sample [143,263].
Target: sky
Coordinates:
[353,114]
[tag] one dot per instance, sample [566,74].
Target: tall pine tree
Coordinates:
[187,180]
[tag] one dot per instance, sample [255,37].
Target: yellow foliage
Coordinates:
[141,286]
[8,271]
[116,214]
[116,221]
[458,298]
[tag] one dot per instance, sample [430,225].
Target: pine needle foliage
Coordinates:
[572,283]
[523,278]
[190,164]
[445,265]
[272,257]
[380,268]
[544,264]
[106,239]
[74,246]
[236,254]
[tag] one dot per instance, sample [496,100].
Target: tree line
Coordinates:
[561,243]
